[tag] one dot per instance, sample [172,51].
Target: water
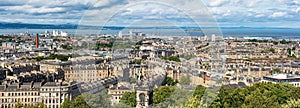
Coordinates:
[277,33]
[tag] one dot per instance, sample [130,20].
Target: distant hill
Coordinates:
[4,25]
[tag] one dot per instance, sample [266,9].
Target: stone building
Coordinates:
[53,94]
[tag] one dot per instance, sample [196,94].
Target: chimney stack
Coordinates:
[37,41]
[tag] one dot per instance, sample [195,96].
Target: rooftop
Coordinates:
[283,76]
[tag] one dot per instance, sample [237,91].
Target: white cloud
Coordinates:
[31,9]
[259,15]
[279,14]
[68,11]
[297,2]
[227,13]
[253,3]
[102,3]
[217,3]
[297,10]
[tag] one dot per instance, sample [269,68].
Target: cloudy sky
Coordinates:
[229,13]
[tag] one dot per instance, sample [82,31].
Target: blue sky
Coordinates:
[228,13]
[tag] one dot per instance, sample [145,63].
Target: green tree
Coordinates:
[195,101]
[121,105]
[178,98]
[162,93]
[262,95]
[67,47]
[275,71]
[66,103]
[272,50]
[170,81]
[98,100]
[79,102]
[261,98]
[19,105]
[283,41]
[289,51]
[129,98]
[41,105]
[174,58]
[292,103]
[275,42]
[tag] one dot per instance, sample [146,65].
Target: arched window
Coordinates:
[142,99]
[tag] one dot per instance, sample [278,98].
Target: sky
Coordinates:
[226,13]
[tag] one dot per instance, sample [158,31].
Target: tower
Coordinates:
[213,37]
[120,34]
[37,41]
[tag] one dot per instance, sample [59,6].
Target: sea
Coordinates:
[274,33]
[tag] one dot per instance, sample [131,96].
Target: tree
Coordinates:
[79,102]
[98,100]
[292,103]
[289,51]
[121,105]
[272,50]
[129,98]
[172,58]
[162,93]
[104,45]
[252,40]
[37,105]
[261,98]
[178,98]
[67,47]
[199,91]
[275,42]
[195,101]
[19,105]
[262,95]
[66,103]
[185,80]
[42,105]
[275,71]
[170,81]
[283,41]
[138,61]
